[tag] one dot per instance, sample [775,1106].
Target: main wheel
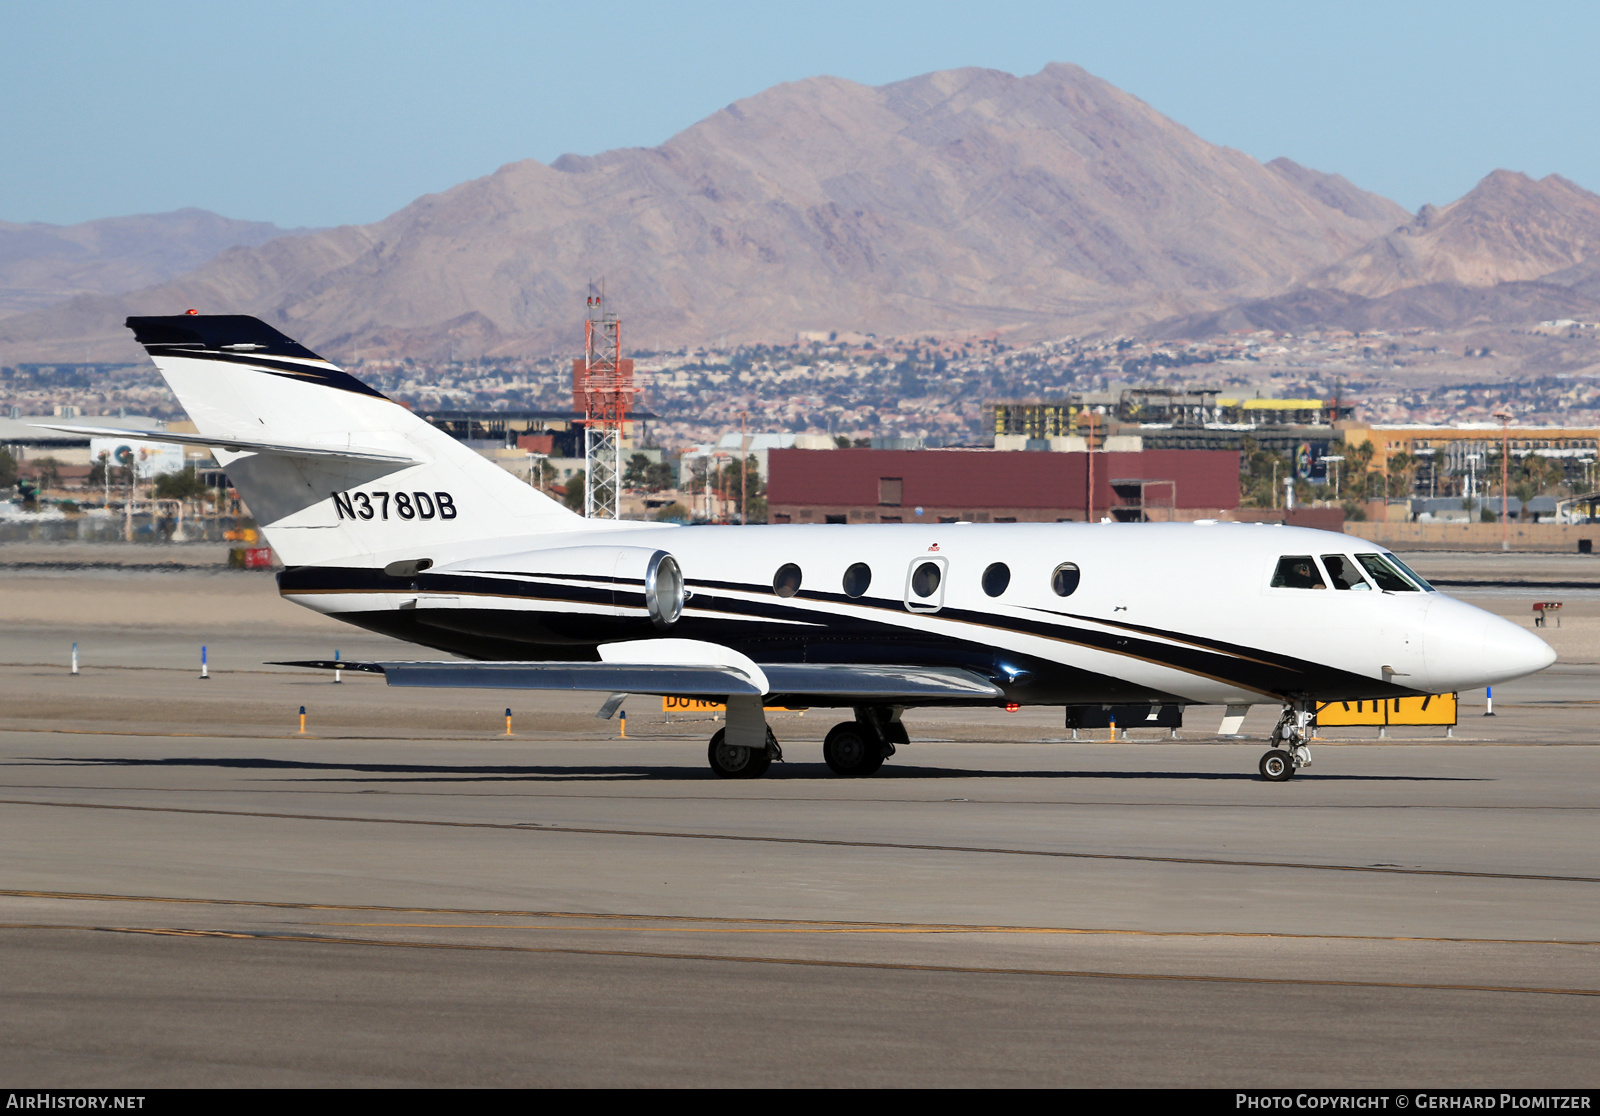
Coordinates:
[730,761]
[1277,766]
[851,751]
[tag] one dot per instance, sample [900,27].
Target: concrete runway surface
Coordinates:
[191,894]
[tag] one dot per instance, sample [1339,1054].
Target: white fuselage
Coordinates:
[1185,612]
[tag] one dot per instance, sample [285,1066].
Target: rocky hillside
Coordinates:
[1508,228]
[964,200]
[41,265]
[1512,252]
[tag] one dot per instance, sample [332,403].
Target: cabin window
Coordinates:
[856,579]
[786,582]
[1389,579]
[925,579]
[1065,579]
[996,578]
[1344,573]
[1297,571]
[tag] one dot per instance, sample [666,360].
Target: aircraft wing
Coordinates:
[239,445]
[848,683]
[878,682]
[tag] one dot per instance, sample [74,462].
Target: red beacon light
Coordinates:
[1012,707]
[192,310]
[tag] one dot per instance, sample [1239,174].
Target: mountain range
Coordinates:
[963,201]
[42,264]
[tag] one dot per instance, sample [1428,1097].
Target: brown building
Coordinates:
[984,486]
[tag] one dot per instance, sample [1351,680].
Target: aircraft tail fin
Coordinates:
[333,470]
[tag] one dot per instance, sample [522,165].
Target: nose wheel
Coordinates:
[1291,738]
[1277,766]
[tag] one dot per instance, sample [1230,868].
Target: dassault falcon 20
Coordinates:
[383,521]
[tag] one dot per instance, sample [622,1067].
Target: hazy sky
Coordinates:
[325,113]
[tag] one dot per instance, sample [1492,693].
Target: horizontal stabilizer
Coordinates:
[238,445]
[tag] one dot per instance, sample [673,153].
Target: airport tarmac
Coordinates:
[193,894]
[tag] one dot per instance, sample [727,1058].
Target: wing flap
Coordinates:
[878,682]
[847,682]
[633,678]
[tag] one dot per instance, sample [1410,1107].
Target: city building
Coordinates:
[1147,418]
[1462,454]
[984,486]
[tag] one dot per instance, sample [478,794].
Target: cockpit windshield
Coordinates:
[1409,572]
[1297,571]
[1389,579]
[1344,573]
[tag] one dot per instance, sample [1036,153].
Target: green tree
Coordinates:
[48,470]
[748,473]
[637,472]
[8,468]
[672,513]
[182,485]
[574,493]
[544,474]
[1402,468]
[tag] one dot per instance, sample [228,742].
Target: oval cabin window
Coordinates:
[786,582]
[996,578]
[857,579]
[1065,579]
[925,580]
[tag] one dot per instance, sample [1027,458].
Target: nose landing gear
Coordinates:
[1291,739]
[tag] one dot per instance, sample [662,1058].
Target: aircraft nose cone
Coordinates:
[1514,650]
[1476,649]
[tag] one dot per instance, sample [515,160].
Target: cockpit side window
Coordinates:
[1297,571]
[1409,572]
[1388,578]
[1344,573]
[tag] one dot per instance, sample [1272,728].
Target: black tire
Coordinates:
[874,761]
[729,762]
[1277,766]
[850,750]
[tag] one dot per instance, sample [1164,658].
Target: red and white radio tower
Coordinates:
[602,388]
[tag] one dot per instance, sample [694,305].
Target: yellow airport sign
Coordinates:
[1430,709]
[695,705]
[691,705]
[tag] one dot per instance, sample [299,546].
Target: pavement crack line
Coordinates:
[981,850]
[780,925]
[820,963]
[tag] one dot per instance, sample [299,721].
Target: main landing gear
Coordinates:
[1291,740]
[730,761]
[853,748]
[856,749]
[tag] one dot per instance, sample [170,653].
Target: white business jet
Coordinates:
[387,523]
